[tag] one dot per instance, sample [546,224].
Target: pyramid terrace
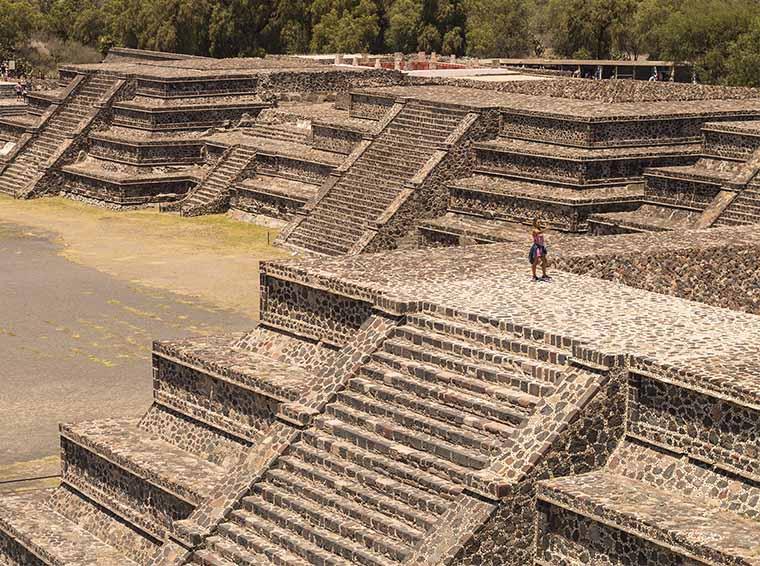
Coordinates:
[410,396]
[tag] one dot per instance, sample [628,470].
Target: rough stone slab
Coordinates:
[678,522]
[147,456]
[52,537]
[219,356]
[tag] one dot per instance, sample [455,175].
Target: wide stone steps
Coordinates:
[396,442]
[254,534]
[356,483]
[310,240]
[299,525]
[490,336]
[488,366]
[209,558]
[423,415]
[535,359]
[218,182]
[50,538]
[391,153]
[377,177]
[339,235]
[347,207]
[32,159]
[280,545]
[274,132]
[685,525]
[477,410]
[379,192]
[403,433]
[314,241]
[331,511]
[349,226]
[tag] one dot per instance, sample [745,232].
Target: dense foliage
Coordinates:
[721,37]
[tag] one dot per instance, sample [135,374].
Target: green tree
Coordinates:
[497,28]
[404,25]
[453,42]
[18,20]
[344,25]
[702,31]
[743,62]
[580,27]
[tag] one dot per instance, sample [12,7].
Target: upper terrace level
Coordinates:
[491,283]
[572,108]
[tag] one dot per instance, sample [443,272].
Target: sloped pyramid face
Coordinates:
[407,440]
[680,489]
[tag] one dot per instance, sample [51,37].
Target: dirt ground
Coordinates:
[84,291]
[213,257]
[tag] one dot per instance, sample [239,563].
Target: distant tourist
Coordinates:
[538,252]
[19,89]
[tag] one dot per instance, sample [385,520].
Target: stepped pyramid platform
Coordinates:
[411,407]
[568,160]
[148,140]
[719,189]
[284,171]
[477,154]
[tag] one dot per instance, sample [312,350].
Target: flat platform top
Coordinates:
[546,192]
[741,126]
[210,68]
[325,113]
[527,147]
[284,148]
[494,281]
[592,110]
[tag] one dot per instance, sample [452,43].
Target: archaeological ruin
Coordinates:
[410,396]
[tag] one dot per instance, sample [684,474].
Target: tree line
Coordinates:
[720,37]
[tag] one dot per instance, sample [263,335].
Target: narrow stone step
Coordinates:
[263,537]
[412,438]
[444,403]
[423,415]
[477,375]
[490,336]
[280,493]
[209,558]
[371,518]
[462,348]
[324,538]
[391,463]
[310,240]
[366,433]
[380,492]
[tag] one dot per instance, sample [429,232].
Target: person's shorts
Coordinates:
[536,251]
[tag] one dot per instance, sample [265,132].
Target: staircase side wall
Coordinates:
[724,274]
[312,312]
[508,536]
[430,199]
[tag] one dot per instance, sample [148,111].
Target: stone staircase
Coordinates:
[370,479]
[682,488]
[744,209]
[212,193]
[55,135]
[125,482]
[364,193]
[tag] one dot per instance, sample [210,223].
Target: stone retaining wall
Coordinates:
[719,267]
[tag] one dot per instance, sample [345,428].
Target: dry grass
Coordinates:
[214,258]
